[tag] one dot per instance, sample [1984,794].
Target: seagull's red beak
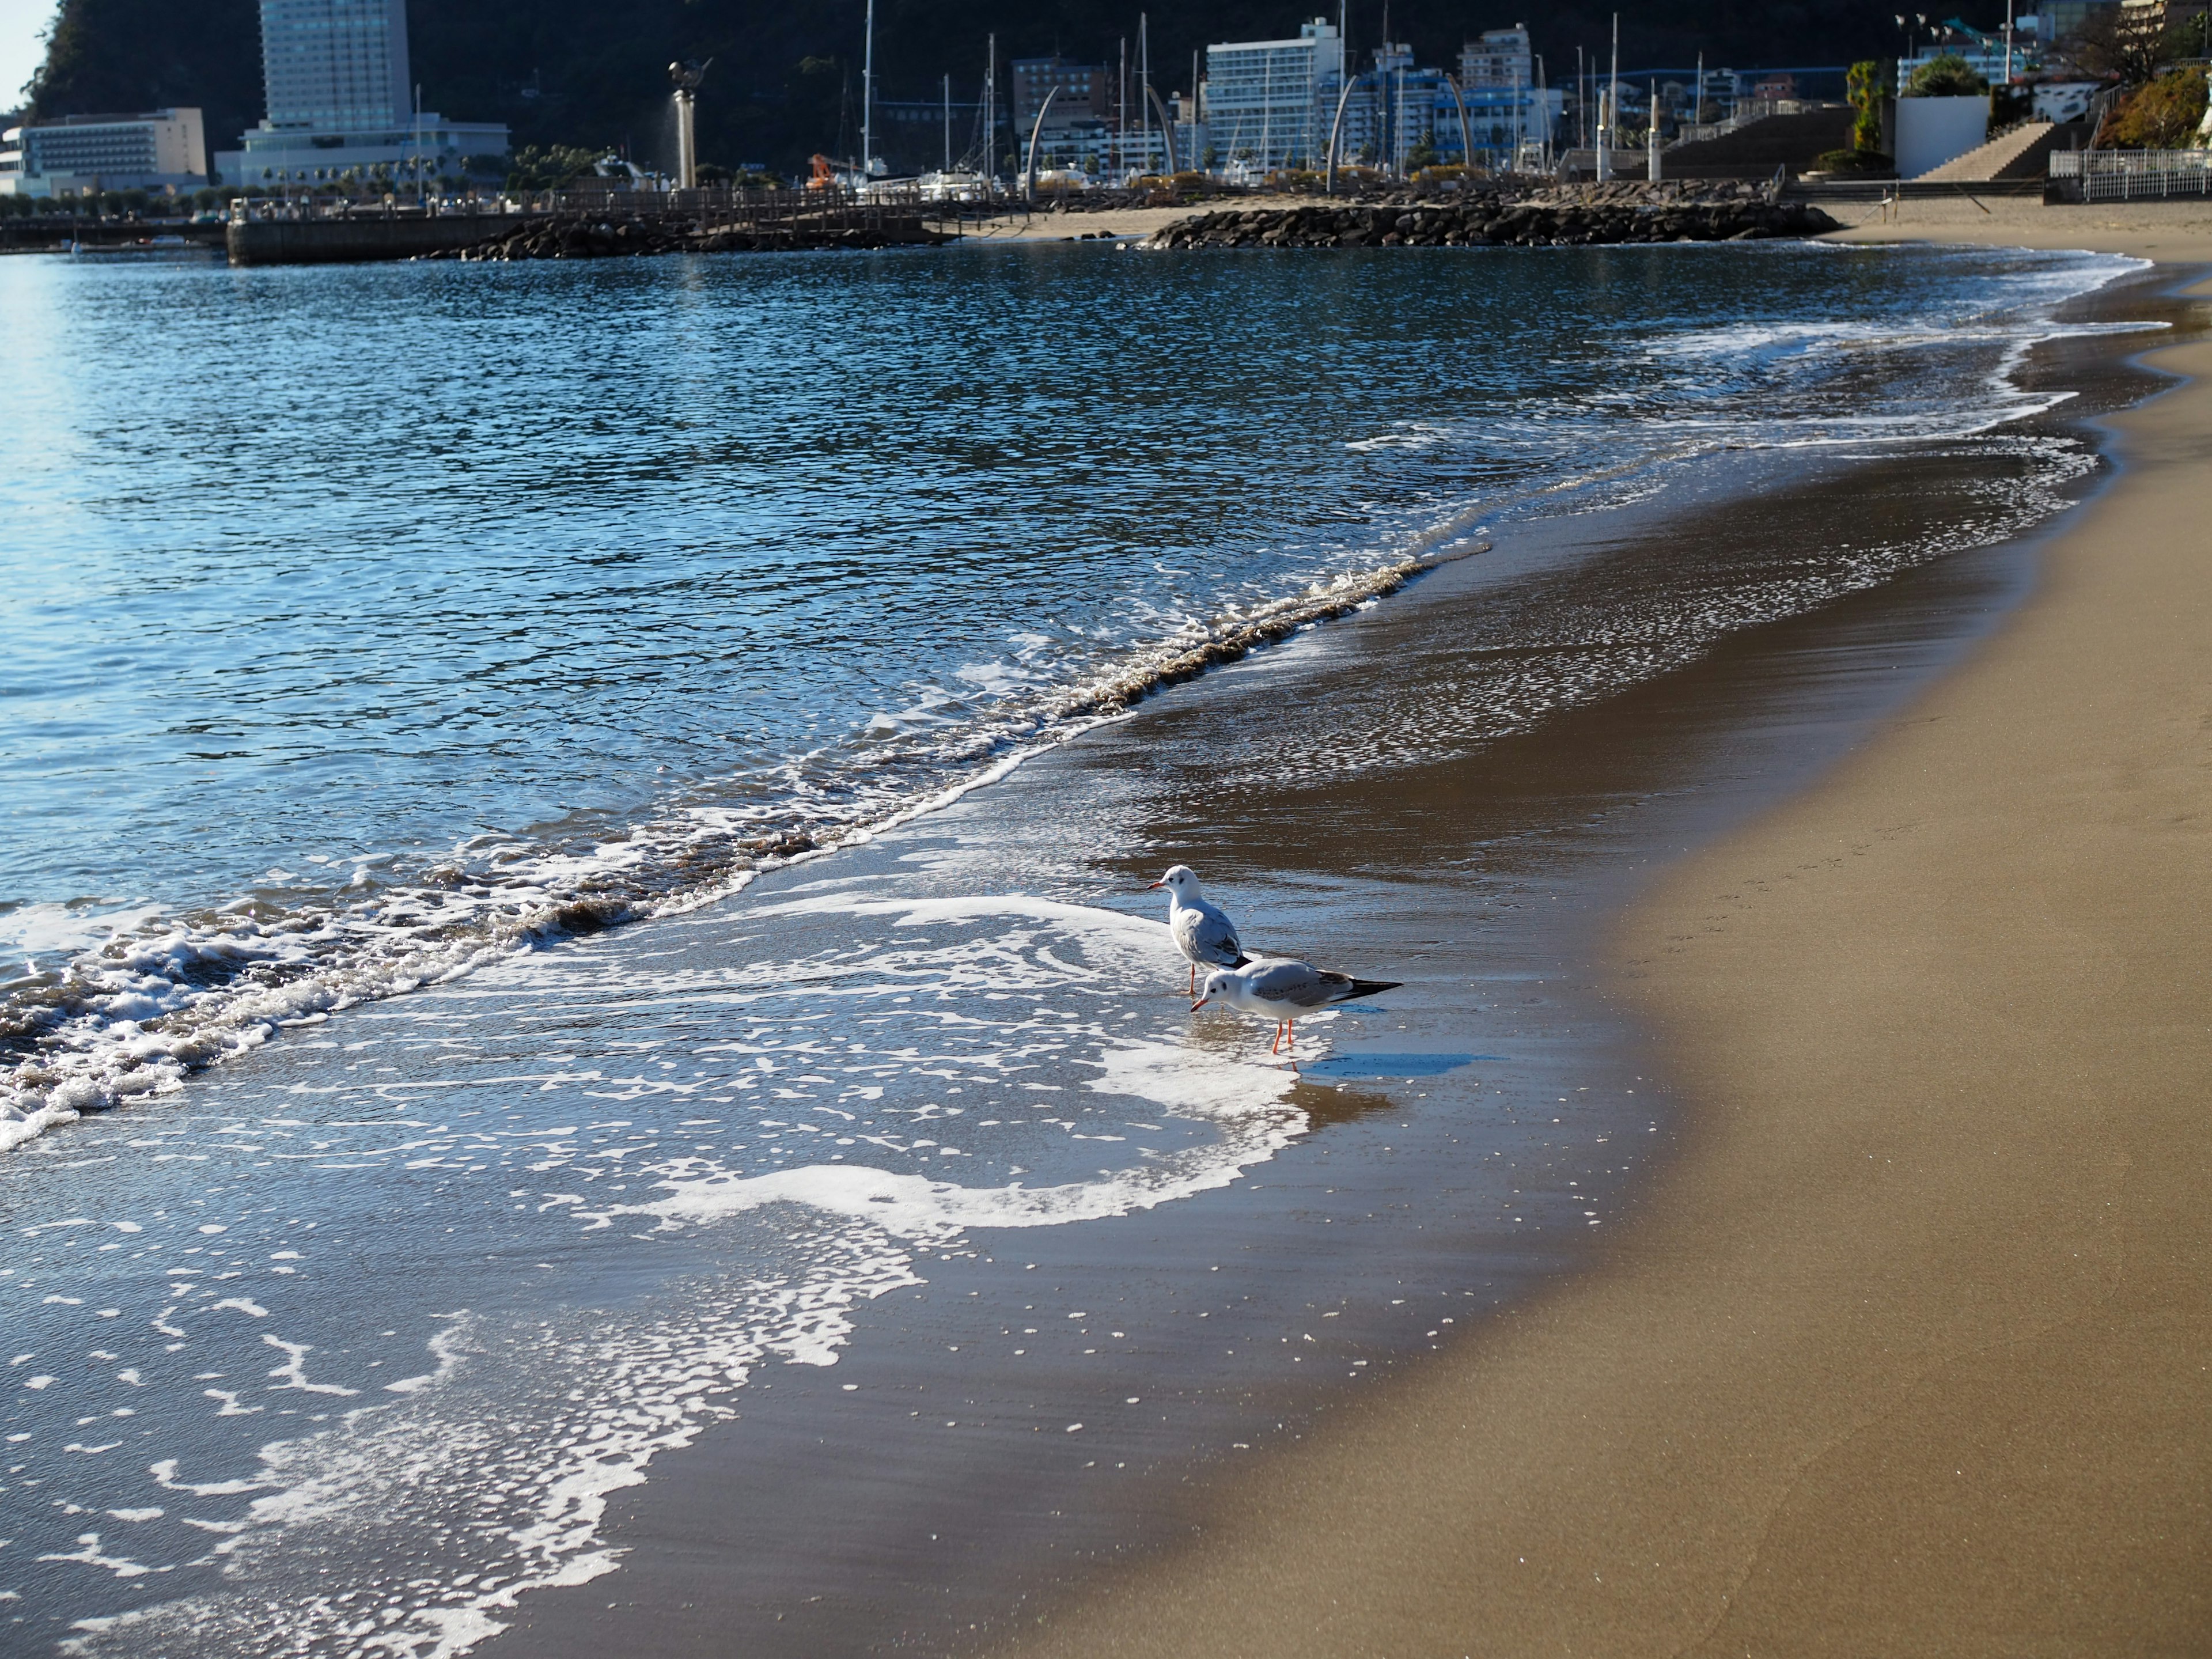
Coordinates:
[1198,1004]
[1156,883]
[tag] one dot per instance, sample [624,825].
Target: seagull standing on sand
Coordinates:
[1281,991]
[1206,937]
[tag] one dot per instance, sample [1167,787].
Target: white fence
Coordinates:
[2121,175]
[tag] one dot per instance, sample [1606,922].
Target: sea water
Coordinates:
[366,624]
[378,637]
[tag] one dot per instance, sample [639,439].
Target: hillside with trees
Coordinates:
[784,80]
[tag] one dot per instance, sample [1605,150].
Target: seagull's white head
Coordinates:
[1183,881]
[1218,984]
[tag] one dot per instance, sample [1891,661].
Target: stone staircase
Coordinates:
[1755,150]
[2019,154]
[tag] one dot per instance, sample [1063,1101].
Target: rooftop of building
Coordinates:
[115,120]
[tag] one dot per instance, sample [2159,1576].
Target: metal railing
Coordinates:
[2122,175]
[1746,111]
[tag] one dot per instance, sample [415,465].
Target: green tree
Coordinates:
[1947,75]
[1864,86]
[2163,115]
[550,166]
[107,55]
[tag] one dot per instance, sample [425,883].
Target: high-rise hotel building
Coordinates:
[335,65]
[341,101]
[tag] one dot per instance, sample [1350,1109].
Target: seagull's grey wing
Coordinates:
[1290,985]
[1343,987]
[1208,936]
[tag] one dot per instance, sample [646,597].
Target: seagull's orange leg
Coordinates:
[1291,1026]
[1194,978]
[1276,1046]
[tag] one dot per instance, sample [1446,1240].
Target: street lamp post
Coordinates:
[687,76]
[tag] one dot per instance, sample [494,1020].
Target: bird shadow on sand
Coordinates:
[1327,1103]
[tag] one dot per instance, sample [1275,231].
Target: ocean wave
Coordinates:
[494,1455]
[137,1015]
[116,1001]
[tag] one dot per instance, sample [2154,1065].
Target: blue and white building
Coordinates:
[1399,109]
[340,102]
[1268,103]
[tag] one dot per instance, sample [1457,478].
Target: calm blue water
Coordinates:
[360,623]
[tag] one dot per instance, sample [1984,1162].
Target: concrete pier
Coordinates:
[348,241]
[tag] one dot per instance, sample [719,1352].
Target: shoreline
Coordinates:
[1494,869]
[1899,1352]
[1484,857]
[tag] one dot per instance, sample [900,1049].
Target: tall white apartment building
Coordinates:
[1268,103]
[341,103]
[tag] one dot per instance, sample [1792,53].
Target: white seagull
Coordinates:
[1281,991]
[1202,932]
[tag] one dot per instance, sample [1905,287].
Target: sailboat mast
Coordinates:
[868,97]
[1143,96]
[1613,101]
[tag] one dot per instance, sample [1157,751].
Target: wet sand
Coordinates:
[1904,1351]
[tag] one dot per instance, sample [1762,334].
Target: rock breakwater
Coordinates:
[1496,222]
[570,237]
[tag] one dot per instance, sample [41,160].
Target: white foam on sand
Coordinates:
[1243,1100]
[433,1502]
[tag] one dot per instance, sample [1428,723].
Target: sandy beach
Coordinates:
[1903,1352]
[1751,1219]
[2180,232]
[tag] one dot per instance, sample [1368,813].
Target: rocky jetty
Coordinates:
[570,237]
[573,238]
[1564,220]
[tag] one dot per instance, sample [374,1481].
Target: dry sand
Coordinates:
[2177,231]
[1909,1352]
[1118,222]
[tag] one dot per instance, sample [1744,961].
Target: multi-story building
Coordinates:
[1497,59]
[1987,55]
[1507,126]
[1193,140]
[2057,22]
[335,65]
[340,103]
[2149,22]
[162,148]
[1398,111]
[1391,113]
[1079,93]
[1088,128]
[1269,103]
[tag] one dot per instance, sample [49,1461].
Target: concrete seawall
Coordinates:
[347,241]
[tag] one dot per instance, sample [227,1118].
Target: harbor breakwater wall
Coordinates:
[589,237]
[1496,222]
[352,241]
[571,236]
